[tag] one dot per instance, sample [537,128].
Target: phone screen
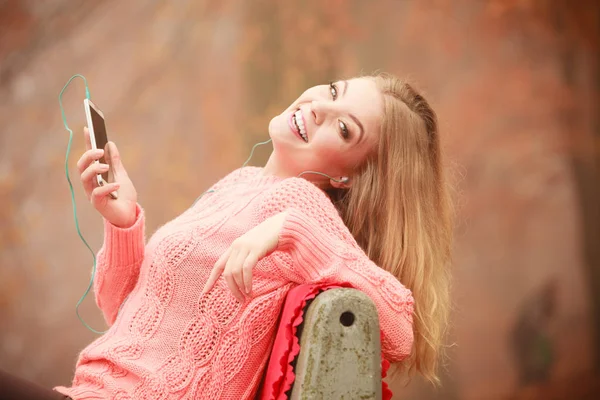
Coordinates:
[101,138]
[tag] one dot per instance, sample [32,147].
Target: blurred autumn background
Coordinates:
[189,86]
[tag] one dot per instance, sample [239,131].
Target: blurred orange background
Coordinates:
[187,87]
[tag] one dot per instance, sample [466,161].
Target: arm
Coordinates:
[317,247]
[118,265]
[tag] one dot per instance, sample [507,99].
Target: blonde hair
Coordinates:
[398,210]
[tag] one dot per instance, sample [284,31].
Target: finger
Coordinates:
[88,177]
[216,272]
[101,193]
[247,268]
[86,135]
[231,275]
[233,287]
[236,264]
[115,159]
[93,170]
[212,279]
[87,158]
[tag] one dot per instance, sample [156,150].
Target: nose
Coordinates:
[320,110]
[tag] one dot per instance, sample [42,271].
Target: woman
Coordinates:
[193,312]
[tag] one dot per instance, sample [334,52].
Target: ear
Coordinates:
[342,182]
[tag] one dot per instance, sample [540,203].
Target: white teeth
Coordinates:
[300,123]
[299,119]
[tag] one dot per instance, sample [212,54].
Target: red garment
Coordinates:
[280,376]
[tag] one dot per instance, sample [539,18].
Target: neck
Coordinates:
[274,167]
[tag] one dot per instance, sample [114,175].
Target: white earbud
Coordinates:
[344,179]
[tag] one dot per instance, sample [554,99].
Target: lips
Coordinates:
[298,126]
[294,128]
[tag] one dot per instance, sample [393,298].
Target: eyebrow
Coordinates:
[356,120]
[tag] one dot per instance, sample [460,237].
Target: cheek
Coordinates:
[335,155]
[329,150]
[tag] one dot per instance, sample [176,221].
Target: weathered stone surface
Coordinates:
[340,356]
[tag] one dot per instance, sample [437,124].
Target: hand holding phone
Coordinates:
[98,139]
[102,173]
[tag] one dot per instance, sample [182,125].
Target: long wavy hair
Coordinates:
[398,208]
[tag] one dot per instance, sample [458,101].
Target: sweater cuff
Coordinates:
[306,241]
[125,246]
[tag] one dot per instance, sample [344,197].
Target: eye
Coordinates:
[344,130]
[334,90]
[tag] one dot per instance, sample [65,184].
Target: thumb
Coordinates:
[115,159]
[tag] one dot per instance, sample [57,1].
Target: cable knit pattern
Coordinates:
[168,341]
[323,250]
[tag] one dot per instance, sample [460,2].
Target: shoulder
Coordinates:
[309,201]
[236,175]
[298,193]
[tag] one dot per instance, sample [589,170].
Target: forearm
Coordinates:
[118,265]
[394,303]
[319,256]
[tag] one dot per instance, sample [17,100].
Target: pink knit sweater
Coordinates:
[168,341]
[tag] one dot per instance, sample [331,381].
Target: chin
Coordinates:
[272,124]
[279,131]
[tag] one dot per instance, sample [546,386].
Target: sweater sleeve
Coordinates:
[118,265]
[316,247]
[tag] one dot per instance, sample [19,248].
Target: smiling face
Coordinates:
[329,129]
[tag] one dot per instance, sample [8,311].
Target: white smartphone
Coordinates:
[99,140]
